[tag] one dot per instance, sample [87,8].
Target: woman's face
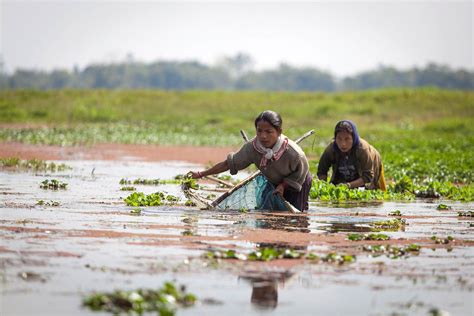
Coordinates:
[344,141]
[267,134]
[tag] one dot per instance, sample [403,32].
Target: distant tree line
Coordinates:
[232,73]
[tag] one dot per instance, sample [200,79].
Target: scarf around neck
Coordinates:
[271,153]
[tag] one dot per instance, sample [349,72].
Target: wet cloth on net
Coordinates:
[257,194]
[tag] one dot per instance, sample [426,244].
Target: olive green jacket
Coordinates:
[367,161]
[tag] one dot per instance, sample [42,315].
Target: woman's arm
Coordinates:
[325,162]
[356,183]
[217,168]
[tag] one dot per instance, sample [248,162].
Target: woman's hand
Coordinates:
[280,189]
[195,174]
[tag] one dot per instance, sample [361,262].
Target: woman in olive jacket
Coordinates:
[354,162]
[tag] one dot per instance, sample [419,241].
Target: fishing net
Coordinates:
[256,194]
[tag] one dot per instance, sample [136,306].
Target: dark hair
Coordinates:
[343,126]
[271,117]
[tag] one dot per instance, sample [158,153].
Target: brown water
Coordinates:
[51,257]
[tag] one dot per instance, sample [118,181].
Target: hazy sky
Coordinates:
[343,37]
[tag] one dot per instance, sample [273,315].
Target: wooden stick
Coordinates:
[227,184]
[244,136]
[252,176]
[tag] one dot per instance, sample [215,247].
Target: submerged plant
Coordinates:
[53,185]
[165,301]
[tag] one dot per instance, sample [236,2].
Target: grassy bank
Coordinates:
[425,134]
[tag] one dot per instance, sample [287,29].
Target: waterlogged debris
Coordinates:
[165,301]
[50,203]
[53,185]
[466,214]
[32,164]
[443,207]
[128,188]
[444,241]
[357,237]
[395,213]
[188,232]
[392,252]
[153,199]
[31,276]
[392,224]
[136,211]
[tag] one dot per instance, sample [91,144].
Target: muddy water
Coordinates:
[51,257]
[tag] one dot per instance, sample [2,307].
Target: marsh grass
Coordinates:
[424,135]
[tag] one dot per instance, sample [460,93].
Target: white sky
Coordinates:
[344,37]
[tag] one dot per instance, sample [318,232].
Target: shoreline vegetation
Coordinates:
[425,136]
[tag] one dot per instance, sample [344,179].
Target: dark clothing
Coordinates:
[300,199]
[364,158]
[346,171]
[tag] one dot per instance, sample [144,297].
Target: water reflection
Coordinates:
[265,287]
[292,223]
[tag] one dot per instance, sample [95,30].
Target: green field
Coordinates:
[424,135]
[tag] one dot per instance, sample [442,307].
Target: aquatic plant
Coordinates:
[50,203]
[466,214]
[140,199]
[357,237]
[392,252]
[165,301]
[153,199]
[189,203]
[338,258]
[391,224]
[142,181]
[395,213]
[269,254]
[136,211]
[444,241]
[32,164]
[326,191]
[128,188]
[53,185]
[443,207]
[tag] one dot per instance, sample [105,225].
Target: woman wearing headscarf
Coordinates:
[354,162]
